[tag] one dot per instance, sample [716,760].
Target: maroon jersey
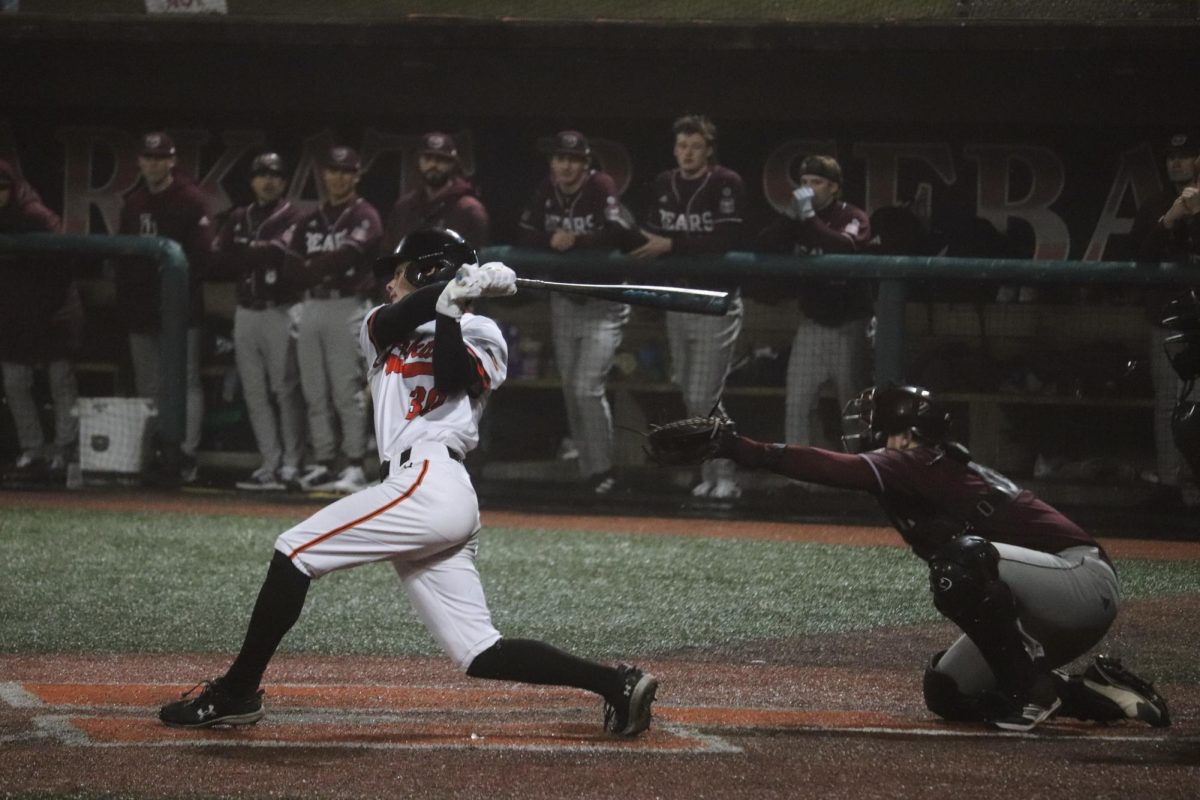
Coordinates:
[178,212]
[246,250]
[456,207]
[589,213]
[838,228]
[929,496]
[36,288]
[333,247]
[699,215]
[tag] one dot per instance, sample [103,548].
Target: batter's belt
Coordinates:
[420,450]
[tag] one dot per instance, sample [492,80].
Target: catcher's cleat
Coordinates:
[1038,705]
[213,706]
[1134,696]
[629,714]
[1028,716]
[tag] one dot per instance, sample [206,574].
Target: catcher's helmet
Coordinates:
[882,411]
[430,255]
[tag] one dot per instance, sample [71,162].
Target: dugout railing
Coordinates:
[904,326]
[168,257]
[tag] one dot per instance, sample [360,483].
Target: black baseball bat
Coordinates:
[668,298]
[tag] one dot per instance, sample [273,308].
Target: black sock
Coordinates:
[275,612]
[531,661]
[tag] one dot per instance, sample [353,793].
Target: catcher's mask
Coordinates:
[429,255]
[882,411]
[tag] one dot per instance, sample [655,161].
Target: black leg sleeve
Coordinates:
[531,661]
[279,603]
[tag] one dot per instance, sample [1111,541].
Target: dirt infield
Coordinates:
[830,716]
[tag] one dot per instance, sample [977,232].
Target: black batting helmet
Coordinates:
[883,411]
[430,255]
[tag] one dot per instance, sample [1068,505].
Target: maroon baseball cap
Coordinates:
[1184,144]
[158,144]
[436,143]
[267,164]
[342,157]
[567,143]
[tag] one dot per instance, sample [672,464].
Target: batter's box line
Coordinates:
[72,730]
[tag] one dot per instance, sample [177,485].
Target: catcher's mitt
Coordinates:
[688,441]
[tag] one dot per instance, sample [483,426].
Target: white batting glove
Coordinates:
[465,287]
[497,280]
[802,204]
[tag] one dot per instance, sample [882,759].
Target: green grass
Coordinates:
[115,583]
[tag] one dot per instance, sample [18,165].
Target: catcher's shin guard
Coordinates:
[965,580]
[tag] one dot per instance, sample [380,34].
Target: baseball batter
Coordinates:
[1029,588]
[574,208]
[433,365]
[697,208]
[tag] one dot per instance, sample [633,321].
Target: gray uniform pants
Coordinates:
[1172,469]
[18,390]
[332,373]
[821,355]
[266,363]
[701,354]
[1065,603]
[144,350]
[586,337]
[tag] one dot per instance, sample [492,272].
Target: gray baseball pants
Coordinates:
[18,390]
[701,354]
[820,355]
[1065,604]
[266,361]
[332,374]
[586,337]
[144,350]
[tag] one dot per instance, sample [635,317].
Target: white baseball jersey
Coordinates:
[408,409]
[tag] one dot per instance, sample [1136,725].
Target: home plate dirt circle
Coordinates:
[360,716]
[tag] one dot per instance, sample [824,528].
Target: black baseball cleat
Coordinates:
[1134,696]
[213,706]
[629,715]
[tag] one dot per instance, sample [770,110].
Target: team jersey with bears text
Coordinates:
[699,215]
[408,409]
[338,244]
[588,213]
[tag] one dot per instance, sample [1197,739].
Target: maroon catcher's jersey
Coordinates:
[588,213]
[932,497]
[929,495]
[699,215]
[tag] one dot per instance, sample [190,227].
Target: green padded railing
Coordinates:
[172,265]
[891,272]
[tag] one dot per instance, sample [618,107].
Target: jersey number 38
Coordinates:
[422,401]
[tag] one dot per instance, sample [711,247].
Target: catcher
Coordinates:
[1029,588]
